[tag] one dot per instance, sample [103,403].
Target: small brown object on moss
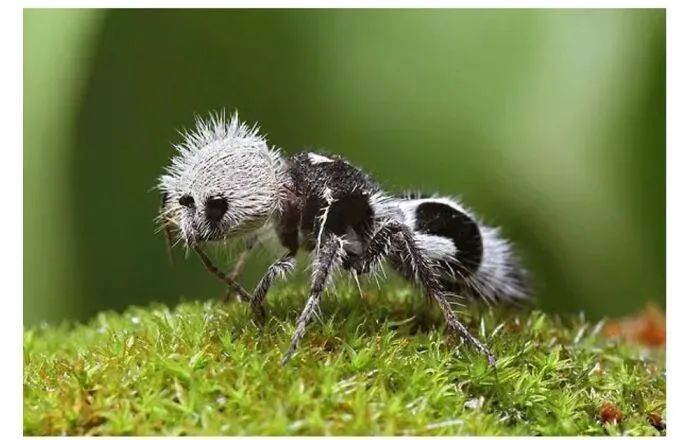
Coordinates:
[609,413]
[657,422]
[646,328]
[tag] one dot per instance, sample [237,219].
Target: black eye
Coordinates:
[215,208]
[186,200]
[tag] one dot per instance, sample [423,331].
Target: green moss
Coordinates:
[374,366]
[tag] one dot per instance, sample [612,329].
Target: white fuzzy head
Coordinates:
[224,181]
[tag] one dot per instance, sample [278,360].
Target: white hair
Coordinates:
[225,158]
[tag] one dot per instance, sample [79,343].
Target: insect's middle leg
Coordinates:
[326,261]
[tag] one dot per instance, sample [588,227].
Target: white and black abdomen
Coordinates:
[471,258]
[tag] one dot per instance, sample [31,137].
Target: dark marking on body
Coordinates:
[445,221]
[348,188]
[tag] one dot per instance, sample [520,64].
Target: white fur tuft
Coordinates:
[224,157]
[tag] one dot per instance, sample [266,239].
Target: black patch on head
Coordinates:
[186,200]
[439,219]
[215,208]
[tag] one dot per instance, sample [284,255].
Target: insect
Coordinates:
[226,182]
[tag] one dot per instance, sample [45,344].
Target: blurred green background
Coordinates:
[550,123]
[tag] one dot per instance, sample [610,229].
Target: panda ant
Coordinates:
[226,182]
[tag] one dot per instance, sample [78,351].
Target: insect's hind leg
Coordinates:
[398,240]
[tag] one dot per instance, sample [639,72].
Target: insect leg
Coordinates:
[378,246]
[325,262]
[240,262]
[219,274]
[242,257]
[404,245]
[278,269]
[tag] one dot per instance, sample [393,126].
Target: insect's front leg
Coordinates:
[234,286]
[278,269]
[326,260]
